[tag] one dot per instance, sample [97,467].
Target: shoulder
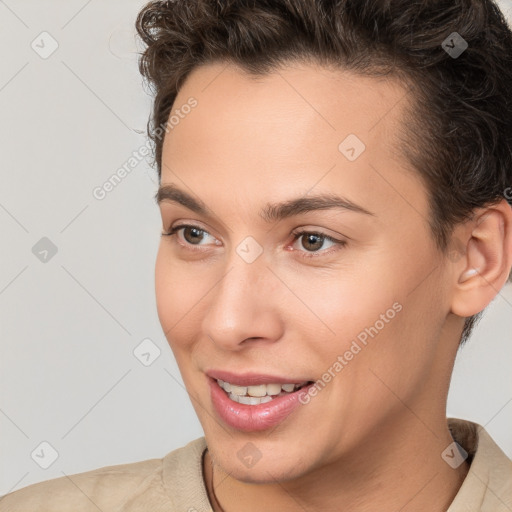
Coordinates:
[106,489]
[489,480]
[101,489]
[495,469]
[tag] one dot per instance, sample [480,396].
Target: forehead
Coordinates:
[299,127]
[309,99]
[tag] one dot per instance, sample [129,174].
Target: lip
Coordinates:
[252,378]
[251,418]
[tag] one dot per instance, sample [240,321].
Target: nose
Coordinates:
[244,306]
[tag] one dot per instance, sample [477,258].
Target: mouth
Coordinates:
[260,393]
[253,402]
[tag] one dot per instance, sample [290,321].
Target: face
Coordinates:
[295,259]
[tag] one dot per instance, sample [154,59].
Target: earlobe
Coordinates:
[485,266]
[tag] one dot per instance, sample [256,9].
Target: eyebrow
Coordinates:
[271,212]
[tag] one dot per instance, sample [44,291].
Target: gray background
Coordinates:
[70,324]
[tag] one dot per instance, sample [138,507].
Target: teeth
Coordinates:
[235,398]
[255,395]
[249,400]
[273,389]
[238,390]
[253,400]
[257,390]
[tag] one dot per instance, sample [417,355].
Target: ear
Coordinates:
[485,258]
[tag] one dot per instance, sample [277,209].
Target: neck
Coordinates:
[394,470]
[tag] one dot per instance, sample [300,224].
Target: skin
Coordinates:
[382,419]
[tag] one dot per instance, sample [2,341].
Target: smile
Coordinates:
[254,402]
[260,394]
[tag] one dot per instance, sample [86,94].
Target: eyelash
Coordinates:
[297,236]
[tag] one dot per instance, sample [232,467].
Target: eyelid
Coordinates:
[174,229]
[171,212]
[338,244]
[297,234]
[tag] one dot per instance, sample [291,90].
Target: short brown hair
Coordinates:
[459,135]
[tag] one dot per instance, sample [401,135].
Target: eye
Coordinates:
[314,242]
[191,235]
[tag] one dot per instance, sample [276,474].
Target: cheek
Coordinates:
[181,296]
[347,305]
[368,317]
[162,290]
[172,293]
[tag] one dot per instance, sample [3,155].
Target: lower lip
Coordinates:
[252,418]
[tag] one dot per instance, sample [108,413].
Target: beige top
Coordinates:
[175,482]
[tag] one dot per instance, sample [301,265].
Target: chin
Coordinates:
[271,466]
[269,473]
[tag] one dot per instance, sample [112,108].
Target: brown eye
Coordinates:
[188,234]
[313,244]
[312,241]
[193,235]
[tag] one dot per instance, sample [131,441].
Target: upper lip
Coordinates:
[252,378]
